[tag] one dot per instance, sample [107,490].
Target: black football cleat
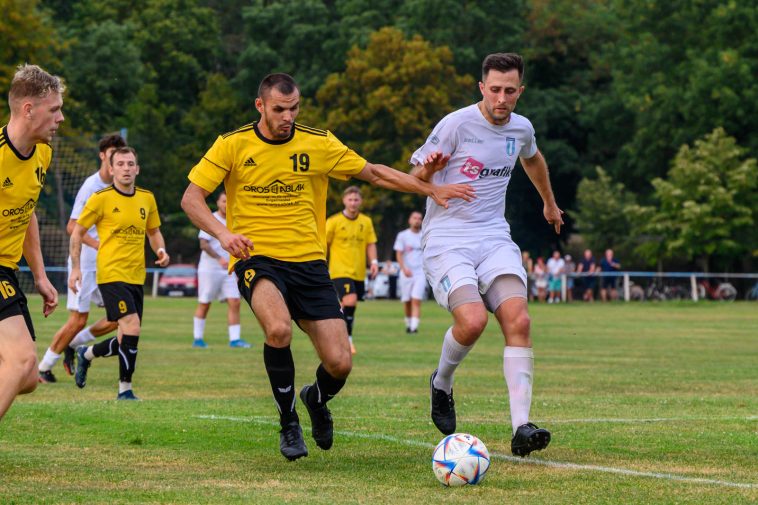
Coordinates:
[291,443]
[47,377]
[322,427]
[529,438]
[81,367]
[69,363]
[443,408]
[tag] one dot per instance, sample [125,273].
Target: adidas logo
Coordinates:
[115,209]
[250,162]
[7,183]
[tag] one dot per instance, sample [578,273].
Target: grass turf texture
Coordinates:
[661,388]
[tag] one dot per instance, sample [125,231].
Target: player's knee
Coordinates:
[278,334]
[341,367]
[522,323]
[473,325]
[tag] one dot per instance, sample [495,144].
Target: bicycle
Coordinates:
[723,291]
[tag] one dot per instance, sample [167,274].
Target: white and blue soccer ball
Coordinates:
[460,459]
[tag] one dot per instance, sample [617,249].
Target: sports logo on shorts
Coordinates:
[249,274]
[445,283]
[471,168]
[510,146]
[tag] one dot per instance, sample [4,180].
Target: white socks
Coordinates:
[83,337]
[518,369]
[234,332]
[49,361]
[413,324]
[199,328]
[89,354]
[450,357]
[408,322]
[124,386]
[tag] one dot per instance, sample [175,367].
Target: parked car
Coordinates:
[178,280]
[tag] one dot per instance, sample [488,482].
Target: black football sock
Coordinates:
[325,388]
[106,348]
[127,357]
[349,318]
[280,368]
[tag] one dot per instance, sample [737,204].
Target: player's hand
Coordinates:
[554,216]
[223,262]
[441,194]
[236,245]
[163,258]
[373,270]
[49,296]
[407,272]
[75,280]
[435,162]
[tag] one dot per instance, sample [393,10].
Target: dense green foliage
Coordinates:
[620,84]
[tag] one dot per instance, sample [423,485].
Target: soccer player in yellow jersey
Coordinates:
[350,239]
[35,100]
[123,213]
[276,173]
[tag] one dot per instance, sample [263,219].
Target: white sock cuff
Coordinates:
[454,345]
[518,352]
[235,331]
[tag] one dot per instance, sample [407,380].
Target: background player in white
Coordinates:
[469,257]
[73,332]
[214,282]
[412,279]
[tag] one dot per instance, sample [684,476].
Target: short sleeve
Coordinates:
[399,245]
[153,219]
[204,235]
[213,168]
[343,161]
[529,149]
[79,201]
[443,138]
[92,211]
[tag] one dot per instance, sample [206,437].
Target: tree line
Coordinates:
[646,111]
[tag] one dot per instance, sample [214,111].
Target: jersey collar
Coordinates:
[273,142]
[13,148]
[122,193]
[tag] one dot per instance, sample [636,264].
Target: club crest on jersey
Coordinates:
[510,146]
[471,168]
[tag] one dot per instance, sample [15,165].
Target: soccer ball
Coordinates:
[460,459]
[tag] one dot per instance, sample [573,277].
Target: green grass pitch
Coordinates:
[647,403]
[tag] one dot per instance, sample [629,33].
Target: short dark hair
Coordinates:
[284,83]
[123,150]
[503,62]
[111,141]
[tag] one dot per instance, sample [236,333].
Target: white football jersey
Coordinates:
[92,184]
[483,155]
[409,243]
[208,263]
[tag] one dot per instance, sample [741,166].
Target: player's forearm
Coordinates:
[389,178]
[536,170]
[193,204]
[75,247]
[88,240]
[421,172]
[371,253]
[156,240]
[32,249]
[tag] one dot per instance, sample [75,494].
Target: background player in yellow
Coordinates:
[123,214]
[35,100]
[276,173]
[350,239]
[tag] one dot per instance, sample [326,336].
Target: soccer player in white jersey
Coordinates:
[412,279]
[470,259]
[214,282]
[73,332]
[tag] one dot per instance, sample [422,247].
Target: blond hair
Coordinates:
[30,81]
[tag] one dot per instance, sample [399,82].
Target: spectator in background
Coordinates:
[568,270]
[555,266]
[608,283]
[528,264]
[540,279]
[587,266]
[390,268]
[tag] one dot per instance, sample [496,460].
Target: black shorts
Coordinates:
[609,282]
[347,286]
[306,287]
[121,299]
[12,299]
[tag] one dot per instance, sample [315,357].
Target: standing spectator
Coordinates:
[528,264]
[555,266]
[540,279]
[412,280]
[587,266]
[568,270]
[608,282]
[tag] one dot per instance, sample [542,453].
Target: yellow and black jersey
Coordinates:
[21,179]
[347,240]
[121,220]
[276,189]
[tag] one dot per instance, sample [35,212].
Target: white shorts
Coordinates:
[212,285]
[477,262]
[88,293]
[412,287]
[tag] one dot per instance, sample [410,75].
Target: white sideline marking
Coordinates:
[649,420]
[505,457]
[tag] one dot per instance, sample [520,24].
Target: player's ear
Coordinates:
[259,105]
[137,172]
